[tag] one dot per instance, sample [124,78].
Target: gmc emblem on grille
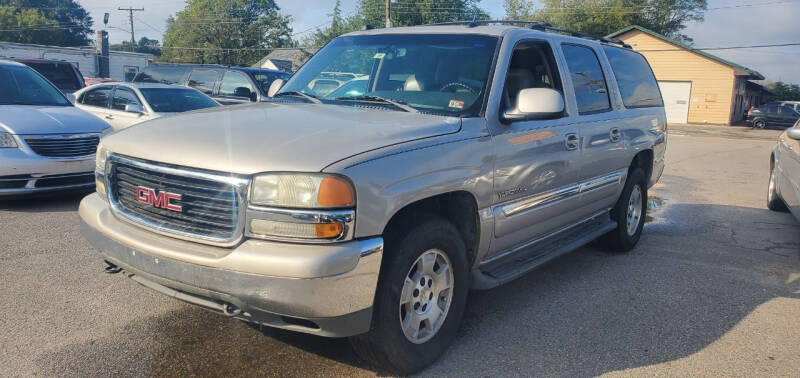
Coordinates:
[158,199]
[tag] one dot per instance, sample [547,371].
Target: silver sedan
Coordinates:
[784,180]
[46,143]
[125,104]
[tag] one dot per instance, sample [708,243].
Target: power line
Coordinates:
[130,15]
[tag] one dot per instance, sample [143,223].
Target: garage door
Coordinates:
[676,99]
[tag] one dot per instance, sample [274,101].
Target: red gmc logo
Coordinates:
[159,199]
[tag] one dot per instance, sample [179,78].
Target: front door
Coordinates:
[536,161]
[118,117]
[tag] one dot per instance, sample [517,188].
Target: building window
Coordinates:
[130,72]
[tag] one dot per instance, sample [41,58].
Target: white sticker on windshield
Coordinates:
[379,55]
[456,104]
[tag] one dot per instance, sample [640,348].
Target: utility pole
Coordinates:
[388,13]
[130,15]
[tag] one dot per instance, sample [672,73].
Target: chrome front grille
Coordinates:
[64,146]
[209,207]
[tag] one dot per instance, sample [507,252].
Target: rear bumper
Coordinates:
[337,304]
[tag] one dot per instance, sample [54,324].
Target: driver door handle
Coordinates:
[572,141]
[109,116]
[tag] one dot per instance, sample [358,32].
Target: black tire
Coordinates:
[620,240]
[774,200]
[759,124]
[386,346]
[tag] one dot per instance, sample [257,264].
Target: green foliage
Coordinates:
[784,91]
[145,45]
[228,32]
[45,22]
[404,13]
[602,17]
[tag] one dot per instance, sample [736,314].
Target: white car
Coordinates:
[126,104]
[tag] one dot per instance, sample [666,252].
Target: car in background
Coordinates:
[97,80]
[64,75]
[784,180]
[226,85]
[775,113]
[46,143]
[126,104]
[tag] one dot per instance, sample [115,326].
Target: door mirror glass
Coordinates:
[242,92]
[275,87]
[134,108]
[536,103]
[793,132]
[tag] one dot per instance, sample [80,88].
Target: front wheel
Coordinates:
[759,124]
[629,213]
[774,201]
[420,298]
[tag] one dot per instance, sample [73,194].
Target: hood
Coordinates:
[265,137]
[32,119]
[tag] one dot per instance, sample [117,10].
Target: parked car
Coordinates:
[784,180]
[477,154]
[126,104]
[64,75]
[226,85]
[46,144]
[776,113]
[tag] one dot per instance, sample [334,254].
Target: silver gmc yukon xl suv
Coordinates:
[395,171]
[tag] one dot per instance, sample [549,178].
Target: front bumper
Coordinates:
[24,172]
[327,290]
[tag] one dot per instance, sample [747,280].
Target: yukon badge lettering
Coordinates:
[158,199]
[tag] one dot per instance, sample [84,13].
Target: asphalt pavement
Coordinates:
[712,289]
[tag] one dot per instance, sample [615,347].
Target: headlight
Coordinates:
[7,140]
[100,169]
[306,191]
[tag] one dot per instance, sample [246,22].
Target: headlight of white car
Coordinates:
[7,140]
[301,206]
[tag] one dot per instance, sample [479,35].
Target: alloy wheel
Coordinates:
[426,296]
[634,210]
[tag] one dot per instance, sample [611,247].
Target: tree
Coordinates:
[404,13]
[784,91]
[602,17]
[229,32]
[145,45]
[46,22]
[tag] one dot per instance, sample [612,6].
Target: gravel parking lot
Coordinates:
[712,289]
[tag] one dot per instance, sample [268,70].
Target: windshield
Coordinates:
[173,100]
[23,86]
[264,79]
[62,75]
[434,73]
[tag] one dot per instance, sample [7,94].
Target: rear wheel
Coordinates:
[629,213]
[774,201]
[420,299]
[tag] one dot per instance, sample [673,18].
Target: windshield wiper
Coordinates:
[369,98]
[306,96]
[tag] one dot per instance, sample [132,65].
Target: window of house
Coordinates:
[635,79]
[130,72]
[96,97]
[203,80]
[588,81]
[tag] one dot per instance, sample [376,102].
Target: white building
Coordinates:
[122,64]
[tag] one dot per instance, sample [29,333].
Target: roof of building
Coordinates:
[296,56]
[743,71]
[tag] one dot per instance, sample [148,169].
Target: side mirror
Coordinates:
[242,92]
[134,108]
[536,103]
[275,87]
[793,132]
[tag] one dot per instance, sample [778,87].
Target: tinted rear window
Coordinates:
[587,79]
[171,100]
[635,79]
[163,75]
[62,75]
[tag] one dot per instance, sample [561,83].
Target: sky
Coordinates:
[771,22]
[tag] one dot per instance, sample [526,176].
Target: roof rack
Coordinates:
[540,26]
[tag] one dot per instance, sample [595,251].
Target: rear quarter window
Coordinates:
[635,79]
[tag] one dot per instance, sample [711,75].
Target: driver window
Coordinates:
[532,66]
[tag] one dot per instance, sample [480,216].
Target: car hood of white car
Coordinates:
[32,119]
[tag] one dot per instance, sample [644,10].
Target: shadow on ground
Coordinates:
[698,270]
[56,202]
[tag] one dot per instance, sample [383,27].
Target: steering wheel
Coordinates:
[458,85]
